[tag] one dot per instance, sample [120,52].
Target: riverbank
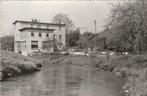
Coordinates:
[132,68]
[13,64]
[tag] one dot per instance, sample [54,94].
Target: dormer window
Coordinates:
[32,34]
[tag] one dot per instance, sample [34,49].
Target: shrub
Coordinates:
[136,83]
[13,64]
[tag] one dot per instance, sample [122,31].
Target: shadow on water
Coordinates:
[63,80]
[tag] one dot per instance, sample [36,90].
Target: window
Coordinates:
[47,35]
[40,34]
[32,34]
[34,44]
[60,36]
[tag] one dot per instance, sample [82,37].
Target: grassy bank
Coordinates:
[132,68]
[13,64]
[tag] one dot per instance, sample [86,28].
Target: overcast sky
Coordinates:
[83,13]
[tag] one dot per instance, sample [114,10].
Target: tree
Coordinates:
[72,38]
[64,19]
[52,45]
[86,40]
[128,24]
[7,43]
[48,45]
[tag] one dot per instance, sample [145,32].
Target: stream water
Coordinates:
[63,80]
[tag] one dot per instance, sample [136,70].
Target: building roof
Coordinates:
[29,28]
[38,23]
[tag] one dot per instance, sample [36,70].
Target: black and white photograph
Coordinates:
[73,48]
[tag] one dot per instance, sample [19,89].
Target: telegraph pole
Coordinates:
[95,26]
[94,49]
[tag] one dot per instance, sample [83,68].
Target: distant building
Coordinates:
[31,36]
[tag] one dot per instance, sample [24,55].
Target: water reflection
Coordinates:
[63,80]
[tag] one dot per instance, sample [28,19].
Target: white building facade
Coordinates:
[31,36]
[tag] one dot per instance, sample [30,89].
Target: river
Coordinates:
[63,80]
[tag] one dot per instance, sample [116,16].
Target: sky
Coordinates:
[82,13]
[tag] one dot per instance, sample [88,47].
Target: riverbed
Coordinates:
[63,80]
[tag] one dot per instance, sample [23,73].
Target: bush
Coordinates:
[13,64]
[9,71]
[135,70]
[136,83]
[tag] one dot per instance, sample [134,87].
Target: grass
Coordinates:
[13,64]
[135,70]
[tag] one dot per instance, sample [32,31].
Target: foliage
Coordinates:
[128,22]
[100,42]
[13,64]
[52,44]
[72,38]
[134,69]
[92,41]
[86,40]
[47,44]
[64,19]
[7,43]
[136,84]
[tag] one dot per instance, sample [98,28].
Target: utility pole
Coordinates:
[95,26]
[94,49]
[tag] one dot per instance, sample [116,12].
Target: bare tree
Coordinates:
[64,19]
[52,45]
